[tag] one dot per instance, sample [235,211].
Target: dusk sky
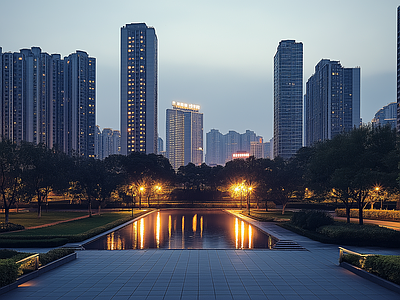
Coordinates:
[217,54]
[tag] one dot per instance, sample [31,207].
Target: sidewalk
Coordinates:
[208,274]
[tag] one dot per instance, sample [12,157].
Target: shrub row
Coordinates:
[386,267]
[311,219]
[361,235]
[375,214]
[49,241]
[351,234]
[52,255]
[5,227]
[10,271]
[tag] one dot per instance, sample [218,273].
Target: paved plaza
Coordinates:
[207,274]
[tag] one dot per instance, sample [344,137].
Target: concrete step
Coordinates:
[288,245]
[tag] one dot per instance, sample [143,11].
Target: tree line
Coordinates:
[352,168]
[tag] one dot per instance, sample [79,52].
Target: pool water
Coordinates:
[185,229]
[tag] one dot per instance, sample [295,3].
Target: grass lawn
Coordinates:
[74,227]
[268,216]
[30,219]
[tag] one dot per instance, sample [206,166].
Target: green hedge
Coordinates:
[5,227]
[49,241]
[374,214]
[34,243]
[311,219]
[386,267]
[8,271]
[52,255]
[361,235]
[350,234]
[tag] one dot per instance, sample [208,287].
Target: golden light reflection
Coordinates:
[158,229]
[141,229]
[183,231]
[237,233]
[201,226]
[194,223]
[250,237]
[135,235]
[169,226]
[242,245]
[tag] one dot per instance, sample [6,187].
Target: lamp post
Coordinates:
[249,189]
[141,189]
[158,190]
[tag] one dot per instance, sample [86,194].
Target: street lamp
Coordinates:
[158,190]
[141,189]
[249,189]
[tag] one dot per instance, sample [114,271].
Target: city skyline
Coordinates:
[192,56]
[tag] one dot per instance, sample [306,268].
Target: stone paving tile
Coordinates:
[206,274]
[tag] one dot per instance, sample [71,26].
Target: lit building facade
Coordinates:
[288,98]
[332,101]
[222,147]
[398,69]
[184,134]
[138,89]
[46,99]
[386,115]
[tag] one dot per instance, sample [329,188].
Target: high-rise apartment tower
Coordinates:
[138,89]
[332,101]
[50,100]
[288,98]
[184,142]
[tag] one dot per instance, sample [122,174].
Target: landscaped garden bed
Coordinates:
[374,214]
[318,227]
[69,232]
[13,265]
[384,266]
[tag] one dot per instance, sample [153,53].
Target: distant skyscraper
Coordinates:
[184,142]
[215,148]
[108,142]
[288,98]
[386,115]
[222,148]
[138,89]
[160,145]
[398,69]
[46,99]
[332,101]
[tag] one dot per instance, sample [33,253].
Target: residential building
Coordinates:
[108,142]
[138,89]
[46,99]
[332,101]
[160,145]
[221,148]
[386,115]
[288,98]
[398,69]
[184,134]
[257,148]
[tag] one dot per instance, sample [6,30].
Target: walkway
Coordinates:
[207,274]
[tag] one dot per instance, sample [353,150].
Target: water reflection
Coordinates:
[198,230]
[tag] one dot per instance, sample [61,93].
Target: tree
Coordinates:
[11,173]
[352,163]
[40,171]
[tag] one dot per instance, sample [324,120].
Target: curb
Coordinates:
[50,266]
[371,277]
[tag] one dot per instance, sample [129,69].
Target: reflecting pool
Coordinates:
[183,229]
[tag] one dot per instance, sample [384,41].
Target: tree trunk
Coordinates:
[283,208]
[90,206]
[348,213]
[360,215]
[39,210]
[6,213]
